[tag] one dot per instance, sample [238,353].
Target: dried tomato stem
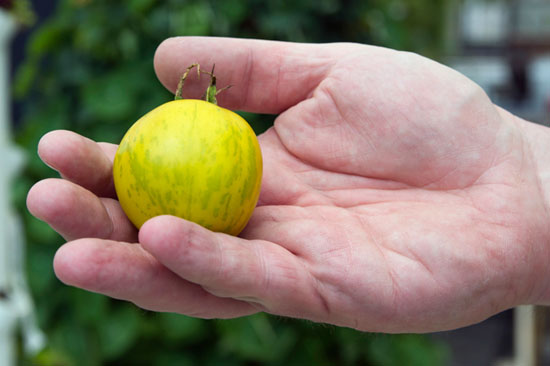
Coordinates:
[179,89]
[211,91]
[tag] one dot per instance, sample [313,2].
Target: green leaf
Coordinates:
[410,349]
[108,98]
[140,6]
[90,308]
[24,77]
[312,350]
[118,331]
[128,43]
[194,20]
[180,328]
[50,37]
[50,356]
[168,358]
[73,341]
[41,233]
[39,265]
[254,338]
[233,11]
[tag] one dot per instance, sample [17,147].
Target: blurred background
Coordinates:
[87,66]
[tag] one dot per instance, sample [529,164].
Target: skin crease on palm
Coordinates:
[396,197]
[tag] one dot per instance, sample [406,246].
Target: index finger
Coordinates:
[266,76]
[80,160]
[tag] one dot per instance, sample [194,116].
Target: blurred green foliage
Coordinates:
[21,11]
[90,69]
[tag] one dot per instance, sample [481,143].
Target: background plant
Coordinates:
[90,69]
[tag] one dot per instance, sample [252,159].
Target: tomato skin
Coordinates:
[192,159]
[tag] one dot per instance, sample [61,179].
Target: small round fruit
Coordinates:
[192,159]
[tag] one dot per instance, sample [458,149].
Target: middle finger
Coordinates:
[74,212]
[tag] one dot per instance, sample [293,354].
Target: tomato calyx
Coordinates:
[211,91]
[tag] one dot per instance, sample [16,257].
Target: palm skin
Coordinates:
[396,197]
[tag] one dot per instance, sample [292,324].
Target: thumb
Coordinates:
[266,76]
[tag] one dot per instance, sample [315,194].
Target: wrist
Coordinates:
[538,138]
[537,146]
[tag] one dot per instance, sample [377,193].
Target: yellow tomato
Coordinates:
[192,159]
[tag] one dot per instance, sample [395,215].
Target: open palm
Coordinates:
[396,197]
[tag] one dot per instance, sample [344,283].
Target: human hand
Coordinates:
[396,197]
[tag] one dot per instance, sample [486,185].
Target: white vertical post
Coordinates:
[525,336]
[16,307]
[8,316]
